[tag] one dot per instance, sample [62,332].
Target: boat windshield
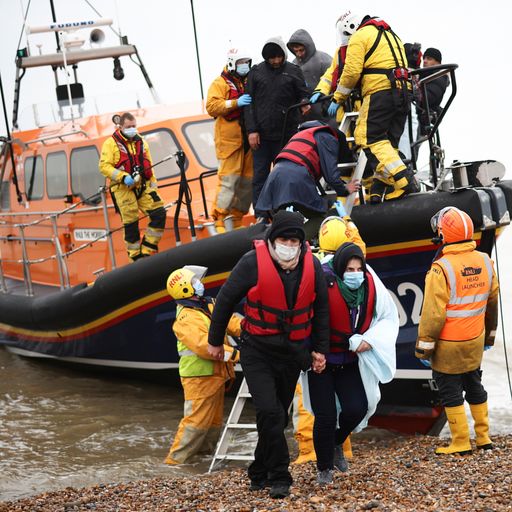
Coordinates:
[199,135]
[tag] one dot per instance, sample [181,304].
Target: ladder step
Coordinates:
[348,165]
[229,456]
[244,395]
[241,425]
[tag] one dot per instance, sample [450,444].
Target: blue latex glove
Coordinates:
[426,362]
[487,347]
[128,181]
[333,108]
[314,97]
[340,208]
[244,100]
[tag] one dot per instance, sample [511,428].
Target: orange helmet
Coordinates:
[452,225]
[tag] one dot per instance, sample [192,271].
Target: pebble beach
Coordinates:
[395,474]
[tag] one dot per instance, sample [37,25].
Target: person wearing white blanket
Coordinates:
[363,331]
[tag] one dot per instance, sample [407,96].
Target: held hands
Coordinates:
[217,353]
[128,181]
[305,109]
[333,108]
[353,186]
[314,97]
[363,347]
[254,140]
[244,100]
[318,365]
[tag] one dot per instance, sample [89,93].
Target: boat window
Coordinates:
[200,137]
[33,177]
[86,178]
[6,196]
[56,175]
[161,144]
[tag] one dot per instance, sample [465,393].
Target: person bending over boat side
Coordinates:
[226,97]
[202,377]
[363,330]
[310,155]
[285,329]
[458,322]
[334,232]
[126,161]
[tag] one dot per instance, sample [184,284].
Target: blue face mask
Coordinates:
[198,288]
[129,132]
[243,69]
[353,280]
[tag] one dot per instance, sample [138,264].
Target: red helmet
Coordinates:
[452,224]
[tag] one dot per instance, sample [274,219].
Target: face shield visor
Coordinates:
[198,271]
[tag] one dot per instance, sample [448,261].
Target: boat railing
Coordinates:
[61,256]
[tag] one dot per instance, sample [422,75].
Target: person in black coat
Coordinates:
[277,340]
[274,85]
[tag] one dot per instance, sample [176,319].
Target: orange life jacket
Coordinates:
[131,162]
[469,276]
[340,324]
[236,89]
[266,309]
[338,70]
[302,149]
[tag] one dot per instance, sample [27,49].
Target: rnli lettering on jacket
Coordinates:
[469,276]
[340,321]
[236,89]
[266,310]
[303,150]
[129,161]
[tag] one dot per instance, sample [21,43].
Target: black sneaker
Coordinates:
[324,477]
[340,463]
[278,491]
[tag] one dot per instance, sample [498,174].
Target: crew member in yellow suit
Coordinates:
[334,231]
[458,322]
[126,161]
[203,378]
[226,99]
[376,60]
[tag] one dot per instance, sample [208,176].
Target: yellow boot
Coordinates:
[480,414]
[306,452]
[347,448]
[460,431]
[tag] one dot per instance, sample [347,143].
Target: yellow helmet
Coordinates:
[332,234]
[180,282]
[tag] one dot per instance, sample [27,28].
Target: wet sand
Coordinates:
[395,474]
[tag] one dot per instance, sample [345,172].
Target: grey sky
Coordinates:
[472,34]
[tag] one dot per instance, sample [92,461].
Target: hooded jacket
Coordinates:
[273,91]
[314,63]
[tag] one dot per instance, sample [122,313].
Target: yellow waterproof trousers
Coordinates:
[199,429]
[149,203]
[234,188]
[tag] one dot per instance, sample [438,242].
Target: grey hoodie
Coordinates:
[315,62]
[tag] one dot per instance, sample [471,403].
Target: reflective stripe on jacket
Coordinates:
[340,323]
[303,150]
[266,309]
[469,278]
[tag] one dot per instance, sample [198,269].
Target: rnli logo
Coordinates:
[471,271]
[344,16]
[175,279]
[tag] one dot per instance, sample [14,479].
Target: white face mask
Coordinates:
[286,252]
[129,132]
[243,69]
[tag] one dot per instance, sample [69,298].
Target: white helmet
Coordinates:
[346,25]
[235,54]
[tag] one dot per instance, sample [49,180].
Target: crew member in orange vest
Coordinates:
[285,329]
[458,321]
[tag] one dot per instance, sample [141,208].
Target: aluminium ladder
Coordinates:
[221,451]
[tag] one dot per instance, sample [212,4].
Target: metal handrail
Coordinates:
[57,136]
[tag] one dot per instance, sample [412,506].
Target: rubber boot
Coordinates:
[306,452]
[480,414]
[347,448]
[405,182]
[377,191]
[459,429]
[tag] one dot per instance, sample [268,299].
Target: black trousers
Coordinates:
[453,389]
[271,381]
[343,381]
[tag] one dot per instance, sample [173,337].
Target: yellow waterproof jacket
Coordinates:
[191,330]
[452,357]
[359,45]
[325,84]
[110,156]
[228,134]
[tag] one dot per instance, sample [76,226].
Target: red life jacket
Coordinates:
[302,149]
[236,89]
[338,70]
[129,161]
[339,316]
[266,309]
